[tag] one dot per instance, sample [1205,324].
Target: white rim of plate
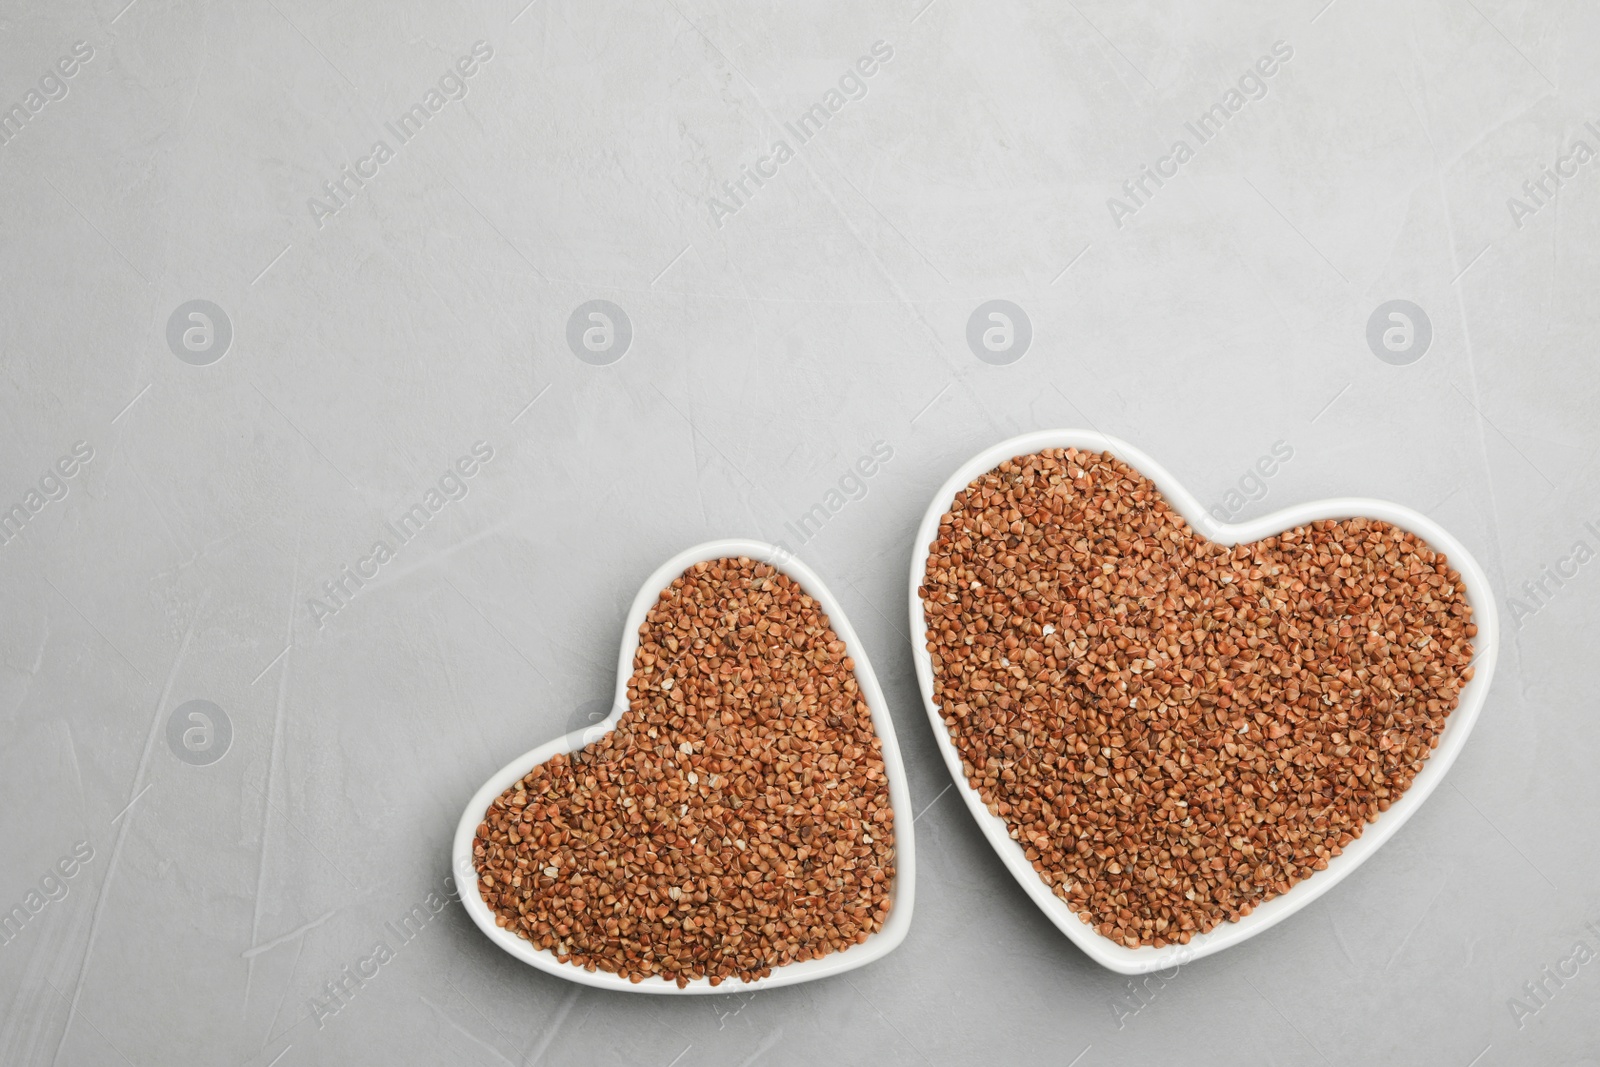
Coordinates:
[1458,725]
[903,892]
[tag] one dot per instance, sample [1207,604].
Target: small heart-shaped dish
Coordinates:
[901,890]
[1061,797]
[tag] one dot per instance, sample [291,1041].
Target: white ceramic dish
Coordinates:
[1102,950]
[903,892]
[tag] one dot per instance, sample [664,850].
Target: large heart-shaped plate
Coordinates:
[902,892]
[1458,725]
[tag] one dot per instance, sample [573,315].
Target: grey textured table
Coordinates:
[397,217]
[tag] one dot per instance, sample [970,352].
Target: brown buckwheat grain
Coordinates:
[736,820]
[1174,730]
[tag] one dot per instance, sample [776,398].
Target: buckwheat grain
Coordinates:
[1174,730]
[736,820]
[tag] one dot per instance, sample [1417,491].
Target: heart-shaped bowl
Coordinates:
[902,893]
[1458,725]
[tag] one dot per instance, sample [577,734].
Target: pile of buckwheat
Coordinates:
[736,820]
[1174,730]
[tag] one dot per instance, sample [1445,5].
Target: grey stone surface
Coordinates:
[774,336]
